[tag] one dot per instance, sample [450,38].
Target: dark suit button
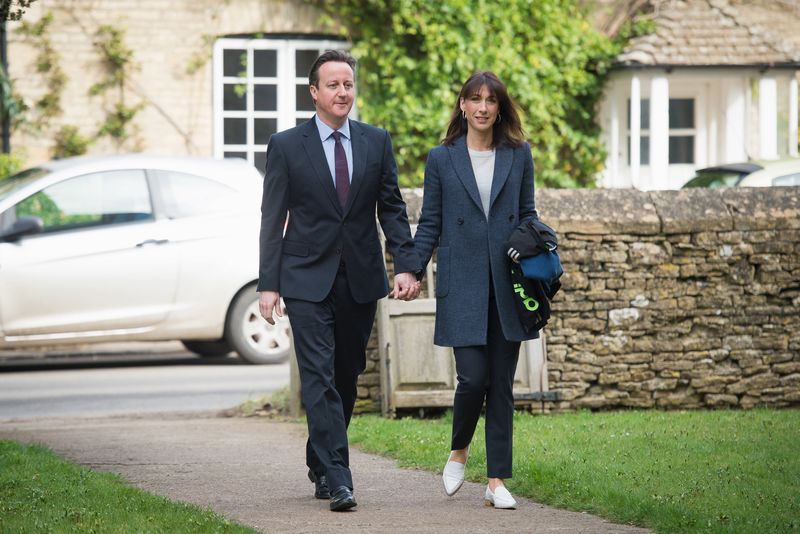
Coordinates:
[510,218]
[338,251]
[460,220]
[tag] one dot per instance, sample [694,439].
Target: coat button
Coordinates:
[460,220]
[510,218]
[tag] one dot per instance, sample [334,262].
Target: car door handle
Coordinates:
[152,242]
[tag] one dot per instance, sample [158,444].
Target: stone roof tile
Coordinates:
[717,32]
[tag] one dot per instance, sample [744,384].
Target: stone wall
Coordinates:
[671,299]
[676,299]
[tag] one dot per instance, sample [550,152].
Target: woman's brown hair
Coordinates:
[507,129]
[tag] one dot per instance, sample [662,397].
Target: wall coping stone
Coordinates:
[610,211]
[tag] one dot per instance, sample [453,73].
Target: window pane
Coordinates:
[231,99]
[235,131]
[242,155]
[681,113]
[788,180]
[260,162]
[303,59]
[234,62]
[301,120]
[714,179]
[644,150]
[265,97]
[264,128]
[101,198]
[646,119]
[265,63]
[644,114]
[304,100]
[186,194]
[681,149]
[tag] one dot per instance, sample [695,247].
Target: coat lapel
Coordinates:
[316,155]
[503,159]
[359,145]
[459,156]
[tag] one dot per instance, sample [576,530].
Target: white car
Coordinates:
[784,172]
[132,248]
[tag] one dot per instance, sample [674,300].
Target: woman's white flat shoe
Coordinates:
[453,476]
[500,498]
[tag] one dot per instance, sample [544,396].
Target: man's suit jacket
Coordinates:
[320,234]
[453,218]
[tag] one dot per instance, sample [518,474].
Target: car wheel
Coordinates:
[254,339]
[208,349]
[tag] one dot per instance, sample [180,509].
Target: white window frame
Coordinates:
[286,82]
[672,132]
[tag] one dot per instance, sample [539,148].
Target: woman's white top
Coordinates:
[483,168]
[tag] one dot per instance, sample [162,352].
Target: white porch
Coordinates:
[659,126]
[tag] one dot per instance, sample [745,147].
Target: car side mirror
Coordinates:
[23,226]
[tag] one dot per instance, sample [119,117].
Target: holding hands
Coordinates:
[406,287]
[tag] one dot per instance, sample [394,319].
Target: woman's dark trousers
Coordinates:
[486,372]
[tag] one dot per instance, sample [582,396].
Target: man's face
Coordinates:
[334,96]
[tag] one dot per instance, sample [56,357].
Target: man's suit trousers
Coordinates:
[330,340]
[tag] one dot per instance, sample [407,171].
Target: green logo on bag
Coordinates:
[530,303]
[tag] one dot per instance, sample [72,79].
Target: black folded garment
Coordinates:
[531,238]
[531,298]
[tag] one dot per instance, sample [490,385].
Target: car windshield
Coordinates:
[20,180]
[717,178]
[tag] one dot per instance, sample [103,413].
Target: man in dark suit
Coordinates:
[331,174]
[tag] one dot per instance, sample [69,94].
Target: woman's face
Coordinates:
[481,110]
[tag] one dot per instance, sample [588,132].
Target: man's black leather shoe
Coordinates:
[320,485]
[342,499]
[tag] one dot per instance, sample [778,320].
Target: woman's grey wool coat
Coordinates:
[468,243]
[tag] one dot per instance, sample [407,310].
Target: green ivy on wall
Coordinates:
[68,141]
[200,58]
[118,60]
[415,54]
[48,106]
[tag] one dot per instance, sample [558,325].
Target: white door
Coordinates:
[102,264]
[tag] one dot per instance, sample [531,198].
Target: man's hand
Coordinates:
[406,287]
[267,302]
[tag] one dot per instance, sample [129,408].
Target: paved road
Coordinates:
[102,384]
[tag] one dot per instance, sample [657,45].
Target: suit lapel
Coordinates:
[503,159]
[459,156]
[359,145]
[316,155]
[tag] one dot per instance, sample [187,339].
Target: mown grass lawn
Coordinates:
[39,492]
[694,471]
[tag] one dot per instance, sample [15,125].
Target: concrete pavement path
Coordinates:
[251,470]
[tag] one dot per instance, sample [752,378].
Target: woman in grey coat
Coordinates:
[478,189]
